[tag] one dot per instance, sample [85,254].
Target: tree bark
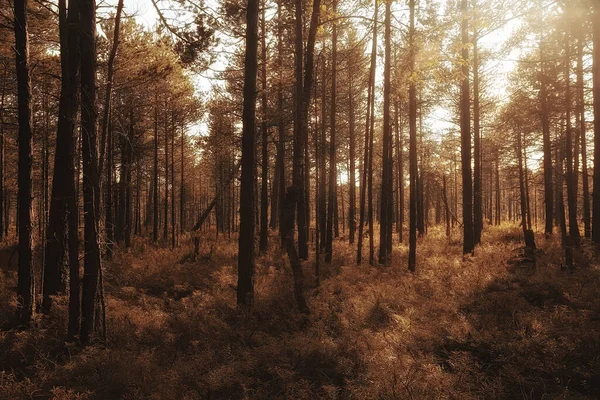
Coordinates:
[264,198]
[571,190]
[91,263]
[25,283]
[331,203]
[465,133]
[412,122]
[386,194]
[477,189]
[245,284]
[596,96]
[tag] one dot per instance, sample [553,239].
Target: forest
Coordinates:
[307,199]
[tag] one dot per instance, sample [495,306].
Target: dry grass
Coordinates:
[457,329]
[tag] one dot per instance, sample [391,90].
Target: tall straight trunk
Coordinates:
[412,123]
[400,166]
[477,185]
[331,200]
[571,189]
[298,150]
[559,200]
[322,158]
[108,204]
[523,190]
[25,284]
[155,201]
[109,83]
[465,134]
[63,195]
[2,97]
[446,207]
[386,190]
[91,263]
[182,194]
[166,205]
[596,96]
[264,197]
[498,195]
[352,160]
[173,222]
[304,85]
[280,122]
[582,133]
[368,138]
[547,146]
[245,283]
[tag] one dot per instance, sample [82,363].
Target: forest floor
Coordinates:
[488,327]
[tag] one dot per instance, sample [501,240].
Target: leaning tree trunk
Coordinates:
[25,290]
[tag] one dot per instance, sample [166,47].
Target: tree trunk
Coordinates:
[109,82]
[280,124]
[386,197]
[245,284]
[91,263]
[571,189]
[331,203]
[465,133]
[264,199]
[582,133]
[25,284]
[352,160]
[3,223]
[596,96]
[412,122]
[63,182]
[477,189]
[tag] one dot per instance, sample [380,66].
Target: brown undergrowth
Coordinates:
[473,328]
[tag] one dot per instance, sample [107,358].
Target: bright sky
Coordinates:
[145,14]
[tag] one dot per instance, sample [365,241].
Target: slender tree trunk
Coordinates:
[264,200]
[596,96]
[465,133]
[25,284]
[166,205]
[182,193]
[63,182]
[280,124]
[331,203]
[498,195]
[582,133]
[322,157]
[400,164]
[352,160]
[527,237]
[109,82]
[245,284]
[3,223]
[155,175]
[91,263]
[477,187]
[571,190]
[412,121]
[386,198]
[173,222]
[446,208]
